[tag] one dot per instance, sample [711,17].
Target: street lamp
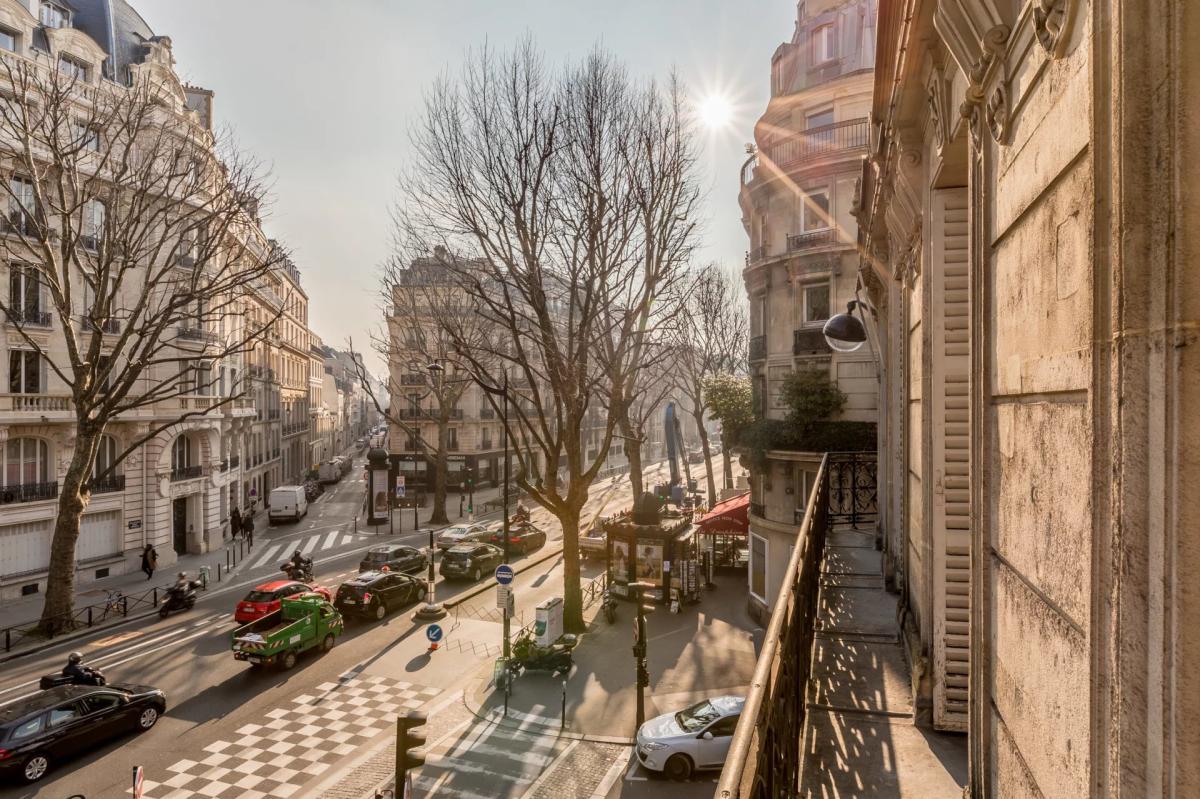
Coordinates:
[432,609]
[503,392]
[845,332]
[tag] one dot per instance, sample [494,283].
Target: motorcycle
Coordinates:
[527,655]
[179,598]
[88,677]
[303,574]
[609,606]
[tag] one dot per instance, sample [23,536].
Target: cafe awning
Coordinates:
[728,517]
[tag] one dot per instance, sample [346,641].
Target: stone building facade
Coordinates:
[1027,217]
[797,196]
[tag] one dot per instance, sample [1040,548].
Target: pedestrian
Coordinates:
[248,530]
[149,561]
[235,523]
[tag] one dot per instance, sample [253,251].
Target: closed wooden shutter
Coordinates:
[951,512]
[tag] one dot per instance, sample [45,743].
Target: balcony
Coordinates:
[44,404]
[186,473]
[412,379]
[487,413]
[758,348]
[235,461]
[767,752]
[810,341]
[758,509]
[30,318]
[192,334]
[756,254]
[109,485]
[109,327]
[274,454]
[273,414]
[798,242]
[28,492]
[790,152]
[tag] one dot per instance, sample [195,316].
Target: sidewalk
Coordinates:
[859,735]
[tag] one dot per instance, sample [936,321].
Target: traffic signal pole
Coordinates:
[507,647]
[639,651]
[408,738]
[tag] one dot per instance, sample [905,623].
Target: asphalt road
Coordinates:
[212,698]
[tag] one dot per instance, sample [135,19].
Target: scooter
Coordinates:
[609,606]
[89,677]
[303,574]
[528,656]
[178,598]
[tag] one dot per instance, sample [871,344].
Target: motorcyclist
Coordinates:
[79,673]
[181,583]
[299,564]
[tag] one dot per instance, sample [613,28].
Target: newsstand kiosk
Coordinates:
[656,547]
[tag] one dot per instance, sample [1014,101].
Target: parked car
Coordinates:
[696,737]
[53,725]
[287,503]
[522,538]
[265,598]
[374,594]
[397,558]
[470,561]
[302,623]
[462,533]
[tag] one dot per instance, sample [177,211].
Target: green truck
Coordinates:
[300,624]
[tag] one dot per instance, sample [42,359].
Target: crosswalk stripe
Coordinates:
[309,544]
[266,556]
[329,539]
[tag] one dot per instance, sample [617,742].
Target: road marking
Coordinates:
[634,765]
[612,775]
[310,544]
[266,556]
[329,539]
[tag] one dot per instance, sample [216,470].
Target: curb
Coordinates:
[476,710]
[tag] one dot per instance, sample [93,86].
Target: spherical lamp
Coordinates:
[845,332]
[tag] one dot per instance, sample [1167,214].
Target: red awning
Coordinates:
[730,517]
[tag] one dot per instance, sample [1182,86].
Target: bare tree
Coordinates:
[712,340]
[126,225]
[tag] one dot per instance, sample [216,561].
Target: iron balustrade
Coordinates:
[814,143]
[809,341]
[235,461]
[758,509]
[30,317]
[186,473]
[756,254]
[811,238]
[192,334]
[487,413]
[767,751]
[109,484]
[28,492]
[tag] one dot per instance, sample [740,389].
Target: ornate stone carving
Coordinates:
[978,109]
[1052,21]
[998,113]
[937,96]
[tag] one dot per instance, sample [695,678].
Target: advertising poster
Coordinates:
[379,495]
[620,561]
[650,562]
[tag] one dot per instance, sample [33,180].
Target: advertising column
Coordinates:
[378,490]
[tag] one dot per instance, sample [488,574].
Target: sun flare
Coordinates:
[715,111]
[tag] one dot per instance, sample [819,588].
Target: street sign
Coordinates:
[434,633]
[139,777]
[400,486]
[503,596]
[504,574]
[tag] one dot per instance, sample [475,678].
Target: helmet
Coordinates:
[74,657]
[182,575]
[296,554]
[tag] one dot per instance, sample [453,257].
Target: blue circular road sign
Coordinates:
[434,633]
[504,574]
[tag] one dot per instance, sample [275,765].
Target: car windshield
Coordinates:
[380,557]
[457,557]
[260,596]
[697,716]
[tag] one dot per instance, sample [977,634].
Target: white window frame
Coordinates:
[42,370]
[22,203]
[52,15]
[810,115]
[73,68]
[766,559]
[106,453]
[824,44]
[41,460]
[93,212]
[805,317]
[810,219]
[16,39]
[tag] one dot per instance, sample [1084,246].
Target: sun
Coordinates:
[715,111]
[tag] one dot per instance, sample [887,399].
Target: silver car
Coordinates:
[461,534]
[695,738]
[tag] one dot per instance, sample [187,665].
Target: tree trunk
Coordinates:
[708,466]
[728,464]
[634,449]
[60,582]
[572,591]
[439,476]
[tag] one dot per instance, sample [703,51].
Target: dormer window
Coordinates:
[55,16]
[72,69]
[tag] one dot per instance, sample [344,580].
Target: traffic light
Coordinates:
[408,740]
[643,676]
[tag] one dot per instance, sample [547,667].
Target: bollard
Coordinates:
[563,725]
[356,524]
[155,598]
[89,615]
[218,572]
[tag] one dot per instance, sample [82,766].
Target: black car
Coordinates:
[53,725]
[375,594]
[397,557]
[522,538]
[470,561]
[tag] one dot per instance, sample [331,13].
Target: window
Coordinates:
[25,293]
[181,454]
[824,44]
[819,119]
[72,69]
[28,729]
[26,462]
[758,567]
[55,16]
[816,209]
[98,702]
[93,224]
[63,714]
[87,136]
[26,375]
[815,303]
[106,455]
[21,204]
[724,727]
[8,40]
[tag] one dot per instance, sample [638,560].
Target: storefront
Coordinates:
[722,535]
[662,554]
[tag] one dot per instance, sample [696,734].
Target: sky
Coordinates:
[325,93]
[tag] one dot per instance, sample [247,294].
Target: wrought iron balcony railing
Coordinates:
[186,473]
[108,326]
[487,413]
[109,485]
[30,317]
[758,348]
[758,509]
[814,143]
[767,749]
[811,238]
[28,492]
[809,341]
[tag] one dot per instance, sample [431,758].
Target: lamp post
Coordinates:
[845,332]
[503,392]
[432,609]
[639,651]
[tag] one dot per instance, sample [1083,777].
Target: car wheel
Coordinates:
[328,643]
[35,767]
[380,611]
[148,718]
[421,593]
[287,660]
[678,767]
[475,575]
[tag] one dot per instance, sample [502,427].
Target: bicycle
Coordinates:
[114,603]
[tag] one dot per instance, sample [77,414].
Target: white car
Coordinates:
[461,533]
[695,738]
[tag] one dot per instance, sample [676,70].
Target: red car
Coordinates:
[265,598]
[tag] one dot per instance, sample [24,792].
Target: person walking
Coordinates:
[235,523]
[149,561]
[248,530]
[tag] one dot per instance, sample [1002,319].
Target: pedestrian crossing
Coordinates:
[276,553]
[488,761]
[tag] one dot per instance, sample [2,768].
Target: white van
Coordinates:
[287,502]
